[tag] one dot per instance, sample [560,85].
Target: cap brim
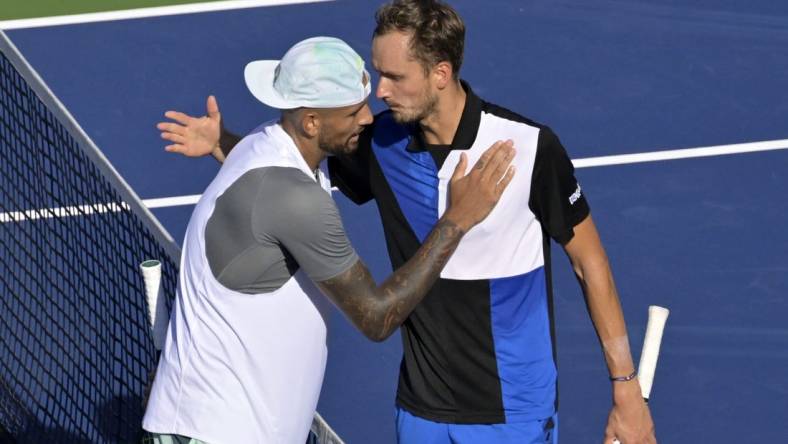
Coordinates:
[259,76]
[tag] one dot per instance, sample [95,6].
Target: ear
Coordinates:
[442,74]
[310,122]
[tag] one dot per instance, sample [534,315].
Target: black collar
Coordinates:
[466,131]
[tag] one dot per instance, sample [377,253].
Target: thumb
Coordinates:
[459,170]
[212,107]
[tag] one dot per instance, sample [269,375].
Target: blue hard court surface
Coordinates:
[705,237]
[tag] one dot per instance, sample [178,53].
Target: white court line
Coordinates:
[622,159]
[85,210]
[687,153]
[78,210]
[164,202]
[156,11]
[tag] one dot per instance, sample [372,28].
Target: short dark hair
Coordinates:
[437,31]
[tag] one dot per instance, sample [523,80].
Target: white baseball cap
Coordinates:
[320,72]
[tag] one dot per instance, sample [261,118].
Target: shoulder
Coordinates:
[548,139]
[275,188]
[293,208]
[505,113]
[288,200]
[291,189]
[259,135]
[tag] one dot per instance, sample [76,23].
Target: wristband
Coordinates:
[624,378]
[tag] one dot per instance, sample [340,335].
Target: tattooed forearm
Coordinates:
[378,311]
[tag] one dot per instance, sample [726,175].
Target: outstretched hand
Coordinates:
[473,196]
[193,136]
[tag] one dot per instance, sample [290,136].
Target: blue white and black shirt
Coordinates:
[480,346]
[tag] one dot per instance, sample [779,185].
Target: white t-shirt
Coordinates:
[239,367]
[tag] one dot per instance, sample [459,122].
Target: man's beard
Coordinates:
[422,112]
[334,147]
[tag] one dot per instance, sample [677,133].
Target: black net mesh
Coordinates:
[75,347]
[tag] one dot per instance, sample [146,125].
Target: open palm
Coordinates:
[193,136]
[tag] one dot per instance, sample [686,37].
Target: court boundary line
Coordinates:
[137,13]
[588,162]
[684,153]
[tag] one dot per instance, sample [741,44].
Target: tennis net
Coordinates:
[75,350]
[75,347]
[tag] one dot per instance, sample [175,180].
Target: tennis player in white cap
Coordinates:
[245,351]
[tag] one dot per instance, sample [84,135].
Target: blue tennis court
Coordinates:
[704,236]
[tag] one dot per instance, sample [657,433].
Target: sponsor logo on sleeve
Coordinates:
[576,195]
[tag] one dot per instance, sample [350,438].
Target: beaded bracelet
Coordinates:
[624,378]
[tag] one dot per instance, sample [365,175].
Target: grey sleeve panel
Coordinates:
[236,259]
[270,222]
[295,212]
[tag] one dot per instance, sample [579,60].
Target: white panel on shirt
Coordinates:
[509,241]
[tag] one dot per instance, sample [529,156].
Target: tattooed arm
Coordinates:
[378,310]
[375,310]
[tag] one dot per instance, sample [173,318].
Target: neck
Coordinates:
[441,125]
[308,147]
